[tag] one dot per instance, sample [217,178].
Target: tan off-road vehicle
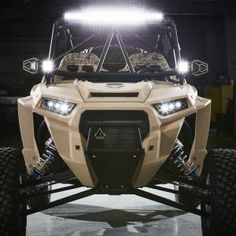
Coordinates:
[114,113]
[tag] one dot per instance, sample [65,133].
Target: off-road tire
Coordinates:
[220,172]
[12,205]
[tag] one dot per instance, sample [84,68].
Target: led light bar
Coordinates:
[171,107]
[114,16]
[59,107]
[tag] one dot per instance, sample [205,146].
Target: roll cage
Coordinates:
[165,31]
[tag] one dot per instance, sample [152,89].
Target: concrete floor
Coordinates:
[124,215]
[112,215]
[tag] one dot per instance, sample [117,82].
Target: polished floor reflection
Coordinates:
[124,215]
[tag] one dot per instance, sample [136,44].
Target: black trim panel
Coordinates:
[114,95]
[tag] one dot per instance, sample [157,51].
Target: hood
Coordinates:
[114,92]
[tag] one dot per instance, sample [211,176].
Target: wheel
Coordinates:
[186,196]
[41,199]
[219,172]
[12,205]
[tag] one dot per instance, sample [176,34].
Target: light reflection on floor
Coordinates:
[124,215]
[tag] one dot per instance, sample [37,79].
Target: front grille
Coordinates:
[114,145]
[119,118]
[111,138]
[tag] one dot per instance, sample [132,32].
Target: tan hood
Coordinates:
[114,92]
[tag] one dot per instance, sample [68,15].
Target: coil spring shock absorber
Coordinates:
[178,162]
[50,162]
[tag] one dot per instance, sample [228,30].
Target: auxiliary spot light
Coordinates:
[183,67]
[47,66]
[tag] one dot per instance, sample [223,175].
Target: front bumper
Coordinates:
[71,140]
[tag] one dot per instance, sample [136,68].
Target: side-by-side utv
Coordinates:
[114,113]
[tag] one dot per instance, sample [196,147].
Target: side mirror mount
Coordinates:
[198,68]
[31,65]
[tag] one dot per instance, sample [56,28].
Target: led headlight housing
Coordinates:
[57,106]
[171,107]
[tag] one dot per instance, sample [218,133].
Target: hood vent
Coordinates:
[135,94]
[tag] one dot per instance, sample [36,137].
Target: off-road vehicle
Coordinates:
[114,113]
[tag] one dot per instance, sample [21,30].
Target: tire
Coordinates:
[219,171]
[12,205]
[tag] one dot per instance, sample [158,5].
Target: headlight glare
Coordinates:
[170,107]
[59,107]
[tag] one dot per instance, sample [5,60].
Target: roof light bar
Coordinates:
[114,16]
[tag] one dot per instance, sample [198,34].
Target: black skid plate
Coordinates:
[115,152]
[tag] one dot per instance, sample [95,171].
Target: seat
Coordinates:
[79,59]
[146,59]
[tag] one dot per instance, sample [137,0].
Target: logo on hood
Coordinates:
[114,85]
[99,135]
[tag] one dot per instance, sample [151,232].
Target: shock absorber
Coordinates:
[179,163]
[50,162]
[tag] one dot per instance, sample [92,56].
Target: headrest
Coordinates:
[79,59]
[140,59]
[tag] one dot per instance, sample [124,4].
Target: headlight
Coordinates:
[170,107]
[59,107]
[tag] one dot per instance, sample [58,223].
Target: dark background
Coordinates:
[207,31]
